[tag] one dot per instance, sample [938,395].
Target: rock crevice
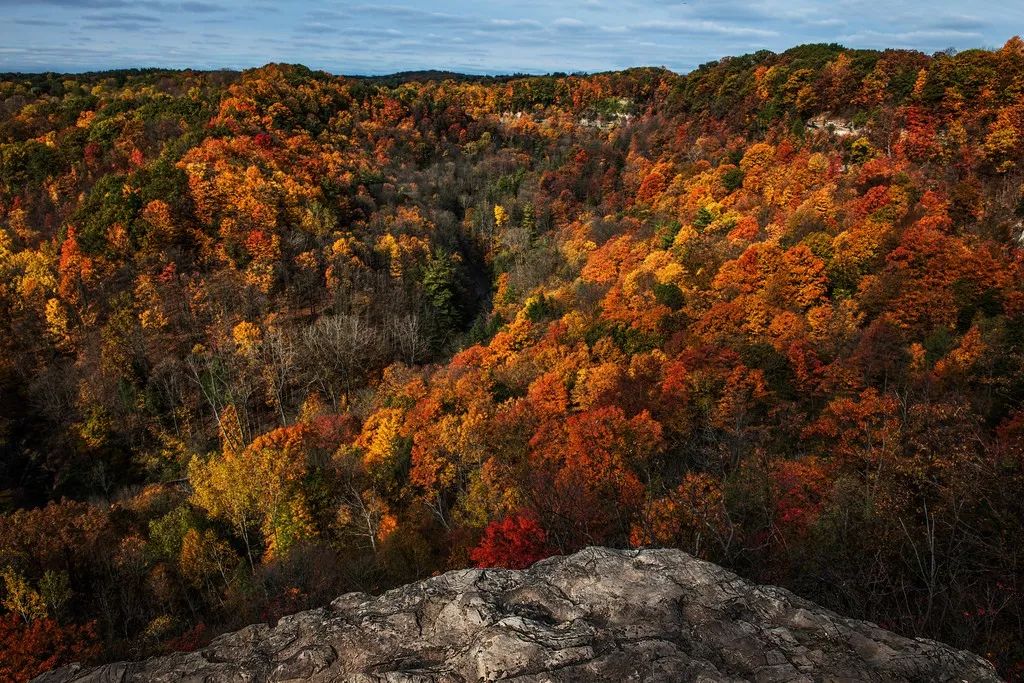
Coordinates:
[602,615]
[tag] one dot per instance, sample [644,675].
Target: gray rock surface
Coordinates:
[598,615]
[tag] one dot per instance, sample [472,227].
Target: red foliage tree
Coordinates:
[29,649]
[515,542]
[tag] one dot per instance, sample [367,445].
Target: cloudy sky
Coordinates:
[473,36]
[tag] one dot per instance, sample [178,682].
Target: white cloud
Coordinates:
[356,36]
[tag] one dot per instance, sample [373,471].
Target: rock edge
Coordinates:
[598,615]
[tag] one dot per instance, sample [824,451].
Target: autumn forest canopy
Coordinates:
[273,336]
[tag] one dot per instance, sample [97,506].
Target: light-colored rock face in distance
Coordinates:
[598,615]
[836,126]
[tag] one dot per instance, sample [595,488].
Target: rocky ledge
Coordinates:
[598,615]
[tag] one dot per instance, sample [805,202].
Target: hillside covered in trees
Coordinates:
[272,336]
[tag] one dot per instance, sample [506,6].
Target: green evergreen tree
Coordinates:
[441,291]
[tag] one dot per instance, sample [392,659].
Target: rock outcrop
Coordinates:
[834,125]
[598,615]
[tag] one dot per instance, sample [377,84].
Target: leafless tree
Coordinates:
[338,351]
[280,363]
[407,337]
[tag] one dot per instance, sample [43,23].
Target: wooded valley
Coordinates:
[273,336]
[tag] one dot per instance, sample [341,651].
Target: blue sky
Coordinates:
[473,37]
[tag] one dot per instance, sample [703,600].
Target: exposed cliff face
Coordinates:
[651,615]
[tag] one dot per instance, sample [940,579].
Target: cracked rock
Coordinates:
[598,615]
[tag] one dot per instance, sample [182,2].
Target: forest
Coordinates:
[273,336]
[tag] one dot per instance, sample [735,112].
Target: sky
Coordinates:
[473,36]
